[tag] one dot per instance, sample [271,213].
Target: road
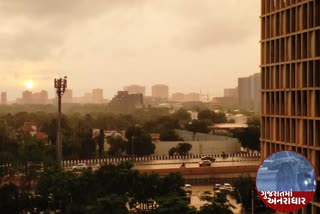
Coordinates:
[191,163]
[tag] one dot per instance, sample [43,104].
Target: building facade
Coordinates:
[126,103]
[67,96]
[3,98]
[160,91]
[135,89]
[244,96]
[97,95]
[290,69]
[230,92]
[249,97]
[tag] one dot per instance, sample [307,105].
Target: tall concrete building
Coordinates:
[256,92]
[230,92]
[244,91]
[290,69]
[26,97]
[97,95]
[3,98]
[160,91]
[67,96]
[135,89]
[34,98]
[177,97]
[126,103]
[249,97]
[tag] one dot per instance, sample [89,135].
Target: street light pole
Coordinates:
[132,152]
[60,85]
[252,202]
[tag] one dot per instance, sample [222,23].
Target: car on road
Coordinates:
[228,187]
[216,187]
[208,158]
[188,188]
[79,167]
[205,163]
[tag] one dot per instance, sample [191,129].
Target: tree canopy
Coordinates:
[249,137]
[138,142]
[180,149]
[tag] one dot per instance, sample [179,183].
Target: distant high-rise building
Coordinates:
[125,102]
[26,97]
[290,83]
[3,98]
[244,91]
[181,97]
[87,98]
[256,92]
[231,92]
[135,89]
[97,95]
[192,97]
[160,91]
[249,92]
[67,96]
[34,98]
[177,97]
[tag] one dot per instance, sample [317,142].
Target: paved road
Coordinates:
[191,164]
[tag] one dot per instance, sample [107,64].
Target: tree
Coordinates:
[172,204]
[213,117]
[32,154]
[173,151]
[169,135]
[111,204]
[181,115]
[197,126]
[244,186]
[181,149]
[249,137]
[100,140]
[117,145]
[217,204]
[138,142]
[205,115]
[9,198]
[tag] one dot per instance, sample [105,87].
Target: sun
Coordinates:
[29,84]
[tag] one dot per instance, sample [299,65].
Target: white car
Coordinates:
[79,166]
[188,188]
[228,187]
[205,163]
[217,187]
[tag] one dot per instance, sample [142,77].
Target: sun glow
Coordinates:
[29,84]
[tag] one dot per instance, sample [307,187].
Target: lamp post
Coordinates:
[252,202]
[132,151]
[60,85]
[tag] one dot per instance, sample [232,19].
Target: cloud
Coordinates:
[37,28]
[66,11]
[207,23]
[29,44]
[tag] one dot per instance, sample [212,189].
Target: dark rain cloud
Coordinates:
[46,23]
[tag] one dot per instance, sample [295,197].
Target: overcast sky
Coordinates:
[190,45]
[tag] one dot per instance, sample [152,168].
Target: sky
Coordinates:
[190,45]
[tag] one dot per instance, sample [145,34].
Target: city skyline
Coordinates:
[180,44]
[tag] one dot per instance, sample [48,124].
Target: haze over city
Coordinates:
[110,44]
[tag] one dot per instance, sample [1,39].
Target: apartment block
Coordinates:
[290,81]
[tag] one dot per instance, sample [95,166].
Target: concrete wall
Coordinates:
[224,144]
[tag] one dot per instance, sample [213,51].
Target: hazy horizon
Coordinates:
[109,44]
